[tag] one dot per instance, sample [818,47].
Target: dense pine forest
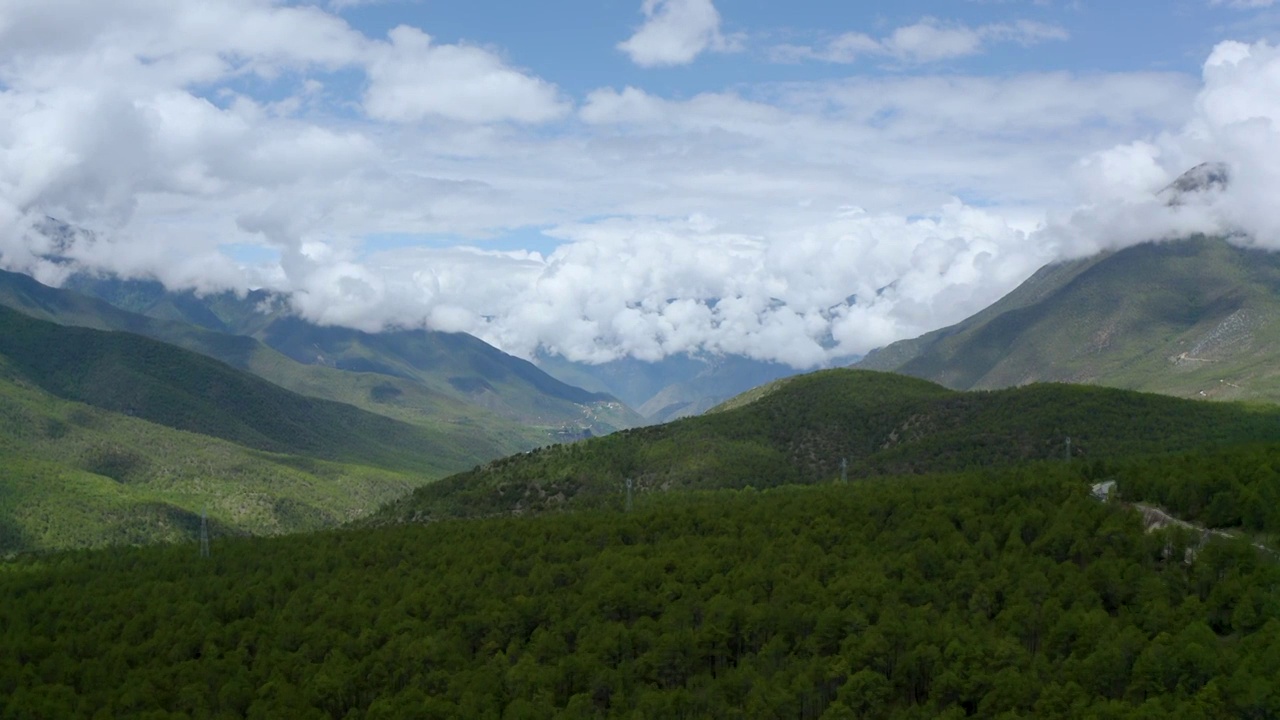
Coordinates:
[987,594]
[958,565]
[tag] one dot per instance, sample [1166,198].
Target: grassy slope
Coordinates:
[141,377]
[452,366]
[481,434]
[455,365]
[881,423]
[1193,318]
[72,475]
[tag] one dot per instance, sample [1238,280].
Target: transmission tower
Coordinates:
[844,470]
[628,494]
[204,533]
[1068,449]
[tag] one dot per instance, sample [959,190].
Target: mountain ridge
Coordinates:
[1192,318]
[857,423]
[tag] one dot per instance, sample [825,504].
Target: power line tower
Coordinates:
[204,533]
[844,470]
[1068,449]
[628,481]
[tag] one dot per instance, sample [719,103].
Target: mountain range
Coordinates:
[112,437]
[125,427]
[450,365]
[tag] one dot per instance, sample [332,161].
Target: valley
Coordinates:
[649,360]
[843,543]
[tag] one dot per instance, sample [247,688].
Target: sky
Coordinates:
[798,182]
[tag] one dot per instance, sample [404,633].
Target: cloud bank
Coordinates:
[251,144]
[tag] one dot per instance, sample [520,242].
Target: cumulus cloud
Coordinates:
[929,40]
[412,78]
[127,109]
[674,33]
[1235,121]
[650,288]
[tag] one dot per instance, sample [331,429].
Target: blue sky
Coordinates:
[574,42]
[599,178]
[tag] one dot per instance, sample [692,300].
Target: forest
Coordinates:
[877,424]
[992,593]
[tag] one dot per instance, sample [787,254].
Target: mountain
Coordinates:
[114,437]
[73,475]
[476,433]
[674,387]
[164,384]
[1198,317]
[442,380]
[804,429]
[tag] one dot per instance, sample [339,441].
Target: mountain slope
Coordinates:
[452,365]
[1191,318]
[803,428]
[483,433]
[73,475]
[162,383]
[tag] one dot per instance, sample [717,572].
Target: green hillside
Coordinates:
[208,325]
[454,364]
[801,430]
[73,475]
[1193,318]
[410,363]
[143,378]
[990,594]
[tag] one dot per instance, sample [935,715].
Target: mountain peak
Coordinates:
[1205,177]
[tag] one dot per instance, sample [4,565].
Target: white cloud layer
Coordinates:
[791,221]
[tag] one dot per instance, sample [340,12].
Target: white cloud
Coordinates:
[411,79]
[648,288]
[674,33]
[929,40]
[738,221]
[1235,120]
